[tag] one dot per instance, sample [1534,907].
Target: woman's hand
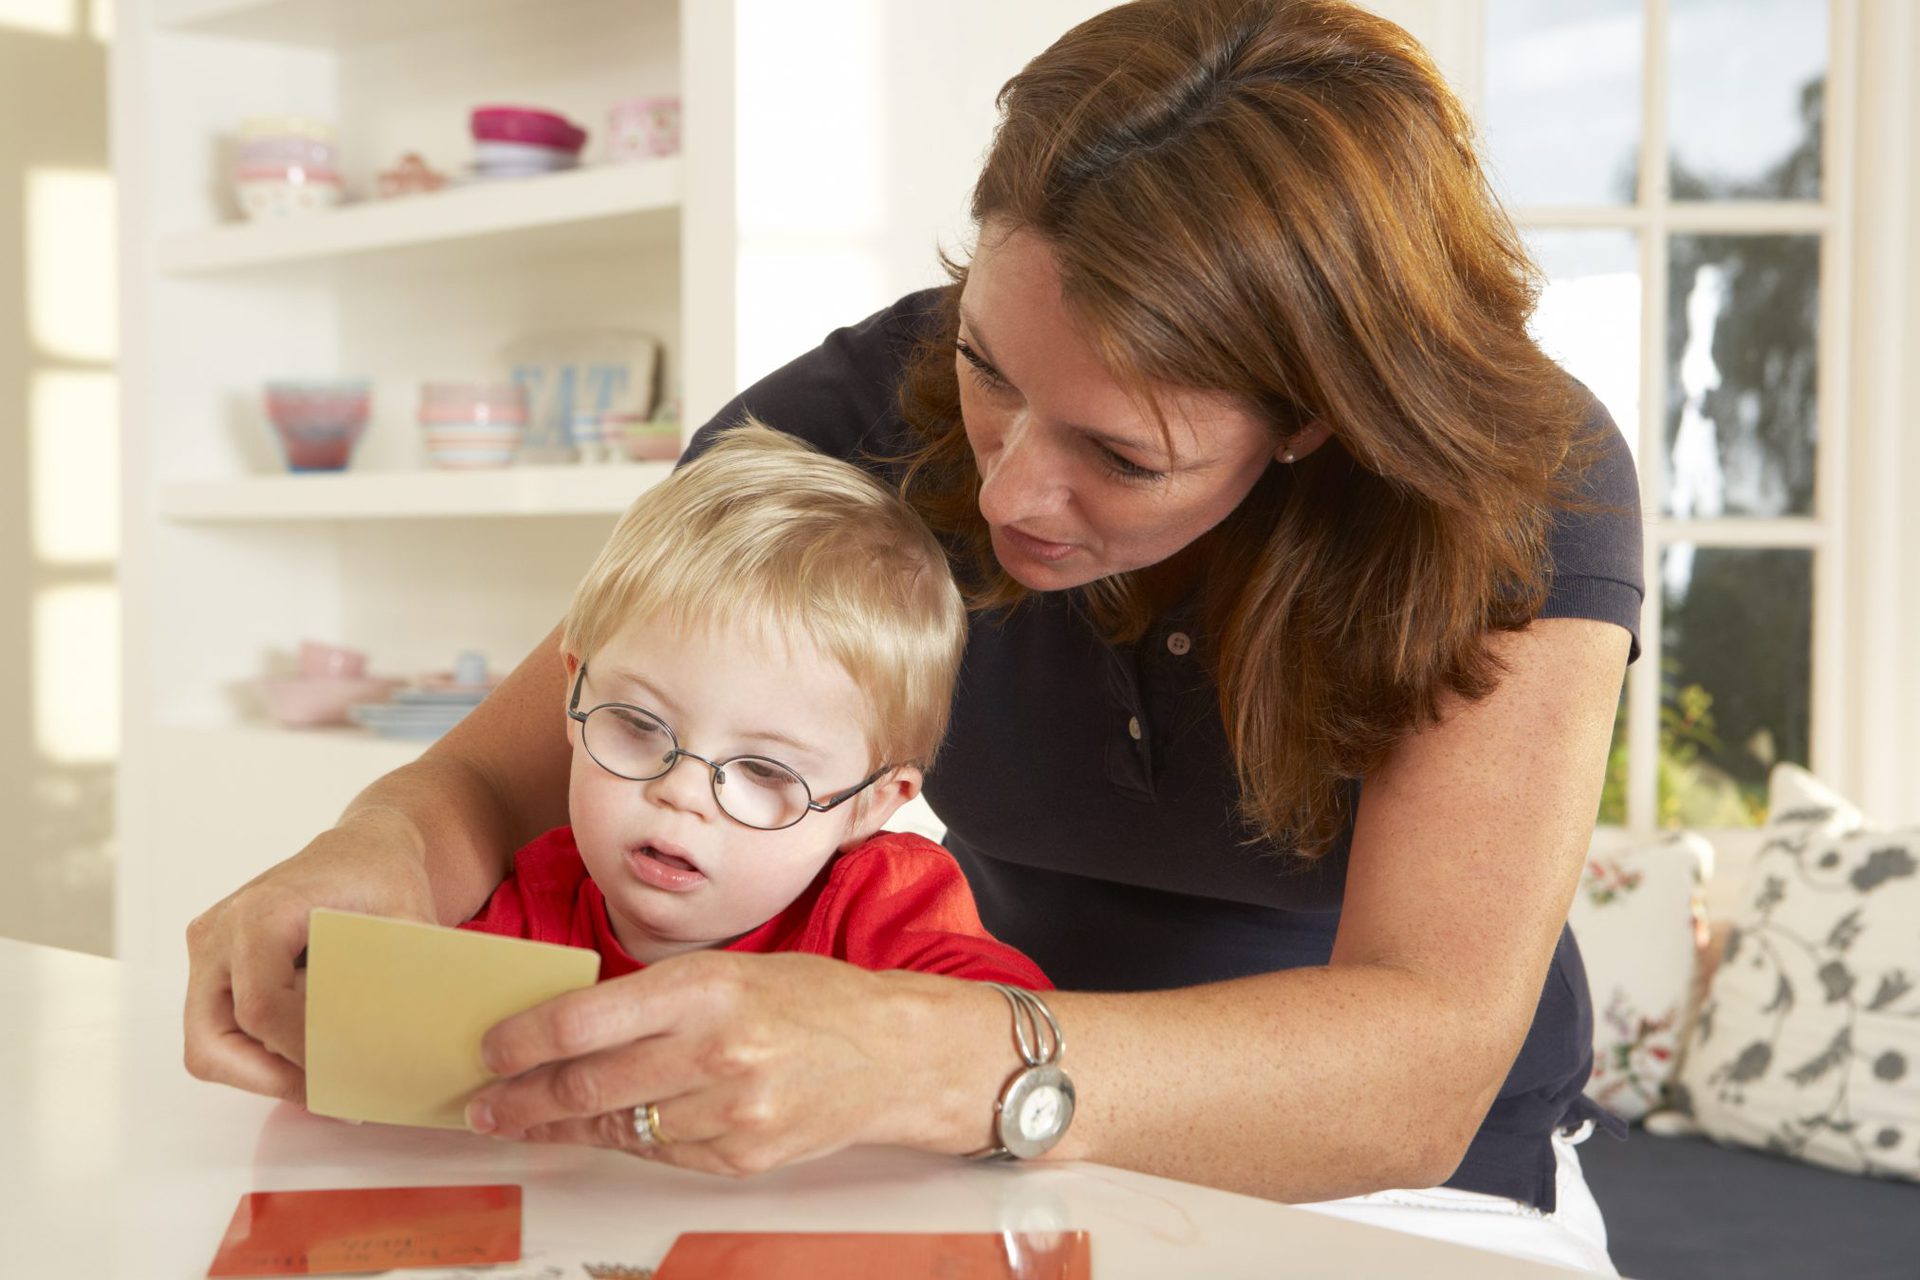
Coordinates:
[752,1062]
[246,999]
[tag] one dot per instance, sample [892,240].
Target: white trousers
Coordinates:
[1573,1235]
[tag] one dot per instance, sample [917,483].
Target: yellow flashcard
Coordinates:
[396,1010]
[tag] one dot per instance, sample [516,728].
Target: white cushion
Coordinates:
[1808,1043]
[1634,920]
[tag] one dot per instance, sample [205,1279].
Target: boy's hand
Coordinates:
[752,1061]
[246,997]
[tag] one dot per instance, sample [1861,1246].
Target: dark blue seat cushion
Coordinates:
[1689,1209]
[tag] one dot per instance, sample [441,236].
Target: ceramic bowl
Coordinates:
[282,196]
[522,155]
[527,125]
[302,702]
[318,422]
[461,403]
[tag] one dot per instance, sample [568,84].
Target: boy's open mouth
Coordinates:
[663,869]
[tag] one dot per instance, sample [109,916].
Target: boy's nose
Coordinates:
[689,789]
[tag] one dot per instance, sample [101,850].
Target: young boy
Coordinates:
[761,661]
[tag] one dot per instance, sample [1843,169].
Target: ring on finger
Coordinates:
[646,1126]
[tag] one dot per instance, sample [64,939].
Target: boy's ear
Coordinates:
[880,802]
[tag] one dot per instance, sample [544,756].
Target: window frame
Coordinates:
[1837,695]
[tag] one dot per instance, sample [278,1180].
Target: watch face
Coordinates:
[1040,1113]
[1035,1110]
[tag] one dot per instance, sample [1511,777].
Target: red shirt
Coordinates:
[896,902]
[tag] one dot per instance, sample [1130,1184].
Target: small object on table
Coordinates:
[411,176]
[361,1229]
[643,128]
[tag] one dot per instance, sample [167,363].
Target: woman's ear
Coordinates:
[880,802]
[1304,441]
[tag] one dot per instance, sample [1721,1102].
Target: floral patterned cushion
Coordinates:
[1634,920]
[1808,1043]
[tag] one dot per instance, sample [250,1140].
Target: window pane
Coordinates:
[1746,83]
[1589,315]
[1563,100]
[1737,680]
[1742,320]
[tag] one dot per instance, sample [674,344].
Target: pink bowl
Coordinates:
[301,702]
[526,124]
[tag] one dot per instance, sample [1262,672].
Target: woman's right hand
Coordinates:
[246,994]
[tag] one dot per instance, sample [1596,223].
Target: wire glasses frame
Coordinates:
[772,776]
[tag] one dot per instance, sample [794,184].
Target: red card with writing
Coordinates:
[809,1255]
[301,1233]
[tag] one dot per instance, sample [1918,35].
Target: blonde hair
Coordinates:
[764,531]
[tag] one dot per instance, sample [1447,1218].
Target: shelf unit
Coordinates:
[811,189]
[639,200]
[229,560]
[411,495]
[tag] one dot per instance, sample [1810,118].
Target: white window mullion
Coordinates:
[1643,685]
[1829,745]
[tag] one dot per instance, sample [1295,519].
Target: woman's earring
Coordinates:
[1287,456]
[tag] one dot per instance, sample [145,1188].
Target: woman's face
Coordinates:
[1077,482]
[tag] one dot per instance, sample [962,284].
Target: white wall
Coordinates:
[58,497]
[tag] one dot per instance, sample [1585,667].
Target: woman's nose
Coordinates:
[1018,478]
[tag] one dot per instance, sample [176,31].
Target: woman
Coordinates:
[1233,429]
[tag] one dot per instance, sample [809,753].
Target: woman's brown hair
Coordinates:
[1279,199]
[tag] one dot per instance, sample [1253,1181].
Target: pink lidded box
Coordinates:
[639,128]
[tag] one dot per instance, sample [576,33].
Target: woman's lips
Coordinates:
[1035,548]
[662,870]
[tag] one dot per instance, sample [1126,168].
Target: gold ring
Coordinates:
[646,1126]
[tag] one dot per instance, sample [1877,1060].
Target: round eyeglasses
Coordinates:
[633,743]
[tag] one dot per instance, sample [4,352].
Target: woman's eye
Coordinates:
[986,374]
[1126,468]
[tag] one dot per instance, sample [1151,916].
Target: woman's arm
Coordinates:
[1309,1084]
[1377,1070]
[428,841]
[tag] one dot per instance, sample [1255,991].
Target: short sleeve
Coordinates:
[843,396]
[1595,545]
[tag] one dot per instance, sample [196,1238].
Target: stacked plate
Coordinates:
[520,142]
[422,712]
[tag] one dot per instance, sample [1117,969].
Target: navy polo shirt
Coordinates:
[1091,799]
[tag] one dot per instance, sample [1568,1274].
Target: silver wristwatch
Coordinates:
[1036,1105]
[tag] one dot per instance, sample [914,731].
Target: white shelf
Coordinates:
[642,197]
[322,24]
[405,495]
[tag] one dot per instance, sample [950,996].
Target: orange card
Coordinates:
[877,1256]
[301,1233]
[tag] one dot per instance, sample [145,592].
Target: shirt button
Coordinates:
[1179,644]
[1133,728]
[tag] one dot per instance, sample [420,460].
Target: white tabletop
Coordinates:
[115,1163]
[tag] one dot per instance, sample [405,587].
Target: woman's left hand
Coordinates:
[751,1062]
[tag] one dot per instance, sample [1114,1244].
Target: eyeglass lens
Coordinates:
[639,746]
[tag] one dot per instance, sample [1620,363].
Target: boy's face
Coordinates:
[678,873]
